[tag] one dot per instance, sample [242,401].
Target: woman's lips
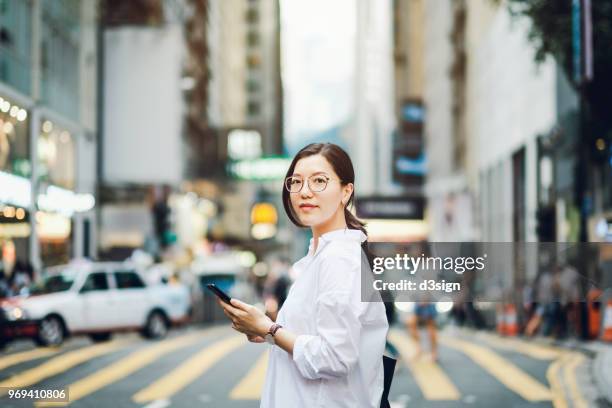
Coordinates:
[307,207]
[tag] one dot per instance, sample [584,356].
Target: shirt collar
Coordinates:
[344,234]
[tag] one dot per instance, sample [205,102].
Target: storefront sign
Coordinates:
[409,156]
[64,201]
[52,227]
[264,213]
[403,208]
[16,190]
[15,230]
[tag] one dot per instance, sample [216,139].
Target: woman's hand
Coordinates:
[255,339]
[247,319]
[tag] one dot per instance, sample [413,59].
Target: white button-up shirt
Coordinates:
[337,356]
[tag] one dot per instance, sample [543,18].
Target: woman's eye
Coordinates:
[319,180]
[295,182]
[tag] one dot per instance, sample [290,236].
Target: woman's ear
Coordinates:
[347,191]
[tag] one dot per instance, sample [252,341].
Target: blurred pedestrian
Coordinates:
[570,297]
[276,288]
[330,342]
[531,308]
[21,277]
[425,314]
[391,313]
[549,308]
[541,318]
[5,288]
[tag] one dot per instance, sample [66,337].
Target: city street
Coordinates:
[217,368]
[450,158]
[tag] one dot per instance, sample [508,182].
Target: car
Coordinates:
[93,298]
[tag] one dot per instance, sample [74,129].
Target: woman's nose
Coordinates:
[306,192]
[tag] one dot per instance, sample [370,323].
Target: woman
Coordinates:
[329,344]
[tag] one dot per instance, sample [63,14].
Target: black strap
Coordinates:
[389,370]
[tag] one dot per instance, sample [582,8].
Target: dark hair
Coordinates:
[343,166]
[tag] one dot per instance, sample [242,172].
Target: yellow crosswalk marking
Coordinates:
[564,366]
[563,371]
[530,349]
[59,365]
[433,382]
[569,370]
[186,373]
[552,375]
[252,384]
[24,356]
[123,368]
[504,371]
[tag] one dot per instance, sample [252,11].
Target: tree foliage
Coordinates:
[551,34]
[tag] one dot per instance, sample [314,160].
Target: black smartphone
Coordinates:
[220,294]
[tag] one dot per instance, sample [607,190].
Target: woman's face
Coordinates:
[315,208]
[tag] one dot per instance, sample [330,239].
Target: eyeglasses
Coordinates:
[316,183]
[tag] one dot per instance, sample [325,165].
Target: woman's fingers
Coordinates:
[238,304]
[233,311]
[224,305]
[245,318]
[235,320]
[236,316]
[228,312]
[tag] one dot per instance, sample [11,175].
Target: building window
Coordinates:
[14,139]
[61,31]
[252,16]
[253,38]
[252,85]
[253,61]
[16,44]
[56,155]
[253,108]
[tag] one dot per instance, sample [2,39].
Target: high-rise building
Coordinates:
[48,130]
[146,127]
[227,40]
[374,112]
[409,152]
[263,82]
[245,85]
[493,115]
[245,97]
[449,198]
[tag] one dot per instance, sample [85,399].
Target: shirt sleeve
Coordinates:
[334,350]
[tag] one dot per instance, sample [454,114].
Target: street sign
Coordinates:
[409,157]
[588,40]
[577,40]
[263,169]
[380,207]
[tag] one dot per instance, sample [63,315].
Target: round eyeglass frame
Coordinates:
[327,178]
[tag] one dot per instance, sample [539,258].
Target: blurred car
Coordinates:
[96,299]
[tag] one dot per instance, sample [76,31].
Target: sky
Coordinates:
[318,65]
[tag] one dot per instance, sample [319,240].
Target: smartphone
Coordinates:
[220,294]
